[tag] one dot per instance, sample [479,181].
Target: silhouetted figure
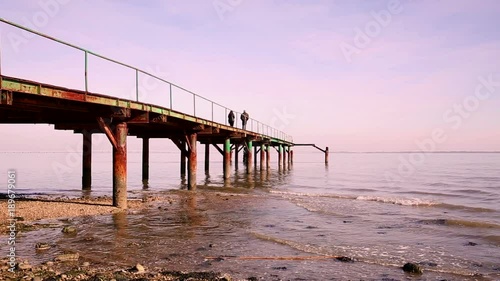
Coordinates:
[244,119]
[231,118]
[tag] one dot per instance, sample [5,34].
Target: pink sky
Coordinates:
[279,57]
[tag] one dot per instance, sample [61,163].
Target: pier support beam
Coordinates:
[326,155]
[207,157]
[145,162]
[192,161]
[236,151]
[120,167]
[183,158]
[227,158]
[249,156]
[255,154]
[87,160]
[289,154]
[262,156]
[280,157]
[285,149]
[268,156]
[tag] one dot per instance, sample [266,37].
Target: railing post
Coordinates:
[212,112]
[136,85]
[86,73]
[225,119]
[170,96]
[194,105]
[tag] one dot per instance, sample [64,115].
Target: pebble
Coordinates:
[69,229]
[36,278]
[86,264]
[139,268]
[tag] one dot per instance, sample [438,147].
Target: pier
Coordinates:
[34,102]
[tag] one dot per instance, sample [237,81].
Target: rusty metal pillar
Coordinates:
[326,155]
[192,163]
[268,156]
[87,160]
[236,151]
[262,156]
[145,162]
[207,157]
[280,156]
[227,158]
[183,158]
[249,157]
[291,155]
[120,167]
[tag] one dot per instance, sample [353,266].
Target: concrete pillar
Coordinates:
[250,155]
[262,156]
[145,162]
[268,156]
[227,158]
[183,158]
[207,157]
[87,160]
[120,167]
[326,155]
[192,161]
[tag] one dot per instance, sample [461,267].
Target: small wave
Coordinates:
[303,194]
[461,223]
[398,201]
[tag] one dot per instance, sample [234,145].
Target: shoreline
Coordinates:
[29,212]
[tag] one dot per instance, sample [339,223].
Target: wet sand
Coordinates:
[35,209]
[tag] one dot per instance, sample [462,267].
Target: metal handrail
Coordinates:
[270,132]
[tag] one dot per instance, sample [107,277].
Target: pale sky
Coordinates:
[351,75]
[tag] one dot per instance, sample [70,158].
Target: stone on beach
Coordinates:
[67,257]
[412,268]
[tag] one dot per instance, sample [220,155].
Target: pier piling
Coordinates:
[268,156]
[145,162]
[120,167]
[183,157]
[249,156]
[227,158]
[262,156]
[192,161]
[326,155]
[87,160]
[207,157]
[280,157]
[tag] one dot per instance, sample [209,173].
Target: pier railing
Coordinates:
[199,103]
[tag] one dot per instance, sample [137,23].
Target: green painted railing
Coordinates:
[252,124]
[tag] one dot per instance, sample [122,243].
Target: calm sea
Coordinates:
[441,211]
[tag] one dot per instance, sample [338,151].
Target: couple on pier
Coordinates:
[244,118]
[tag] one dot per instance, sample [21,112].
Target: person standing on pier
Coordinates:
[244,119]
[231,118]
